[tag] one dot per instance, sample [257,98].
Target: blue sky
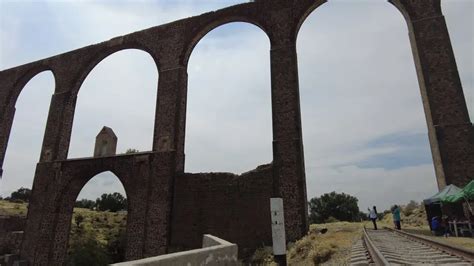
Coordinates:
[363,123]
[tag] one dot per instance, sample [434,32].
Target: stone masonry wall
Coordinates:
[232,207]
[11,234]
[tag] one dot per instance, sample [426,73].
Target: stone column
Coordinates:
[6,122]
[450,130]
[288,160]
[136,219]
[62,224]
[170,122]
[58,127]
[39,235]
[159,201]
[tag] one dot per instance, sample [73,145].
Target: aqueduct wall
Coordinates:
[168,206]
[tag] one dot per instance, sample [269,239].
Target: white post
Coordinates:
[278,226]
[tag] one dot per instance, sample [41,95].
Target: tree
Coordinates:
[342,207]
[131,150]
[116,246]
[111,202]
[22,194]
[88,252]
[411,206]
[363,216]
[85,203]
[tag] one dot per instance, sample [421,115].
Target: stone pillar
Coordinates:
[39,233]
[160,198]
[6,122]
[62,225]
[170,122]
[136,219]
[288,160]
[58,127]
[450,130]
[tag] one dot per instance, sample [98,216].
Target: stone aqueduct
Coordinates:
[168,207]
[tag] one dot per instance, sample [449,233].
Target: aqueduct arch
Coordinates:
[90,75]
[177,207]
[206,67]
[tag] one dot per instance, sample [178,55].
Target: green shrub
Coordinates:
[341,206]
[88,253]
[331,220]
[262,256]
[411,206]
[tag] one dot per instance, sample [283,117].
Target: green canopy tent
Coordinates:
[467,194]
[446,191]
[433,203]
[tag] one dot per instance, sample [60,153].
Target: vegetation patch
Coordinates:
[96,237]
[332,247]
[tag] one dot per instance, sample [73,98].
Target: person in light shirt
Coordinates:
[373,216]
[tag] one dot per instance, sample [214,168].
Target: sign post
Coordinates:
[278,230]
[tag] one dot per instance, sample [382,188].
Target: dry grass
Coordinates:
[12,209]
[263,256]
[102,225]
[417,218]
[332,248]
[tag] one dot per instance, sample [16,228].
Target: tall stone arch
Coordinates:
[450,130]
[11,88]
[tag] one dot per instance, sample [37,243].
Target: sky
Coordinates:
[364,129]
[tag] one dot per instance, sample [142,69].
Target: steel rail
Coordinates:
[374,252]
[457,251]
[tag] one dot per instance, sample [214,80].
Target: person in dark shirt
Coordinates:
[445,224]
[438,229]
[396,217]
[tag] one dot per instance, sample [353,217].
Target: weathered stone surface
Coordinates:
[234,207]
[11,234]
[451,132]
[170,207]
[105,143]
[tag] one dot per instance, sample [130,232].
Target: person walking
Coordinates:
[373,216]
[396,217]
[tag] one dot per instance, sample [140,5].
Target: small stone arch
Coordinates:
[65,206]
[199,33]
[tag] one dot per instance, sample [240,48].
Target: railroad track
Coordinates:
[392,247]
